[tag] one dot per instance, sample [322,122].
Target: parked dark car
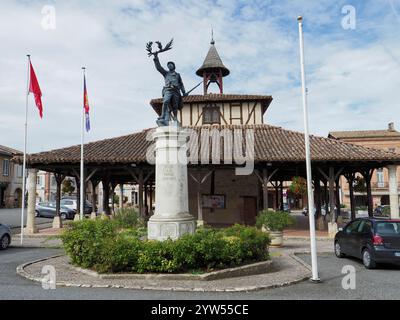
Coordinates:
[5,236]
[372,240]
[48,210]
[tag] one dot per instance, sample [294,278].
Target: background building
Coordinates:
[388,140]
[10,179]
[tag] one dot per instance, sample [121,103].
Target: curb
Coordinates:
[20,270]
[304,238]
[241,271]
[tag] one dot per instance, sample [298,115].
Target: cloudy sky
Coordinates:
[353,74]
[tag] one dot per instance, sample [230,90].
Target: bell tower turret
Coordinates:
[213,69]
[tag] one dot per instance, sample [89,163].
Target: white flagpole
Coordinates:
[82,177]
[314,262]
[24,163]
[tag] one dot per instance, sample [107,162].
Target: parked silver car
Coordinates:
[5,236]
[48,210]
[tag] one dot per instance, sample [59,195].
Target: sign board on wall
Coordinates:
[214,201]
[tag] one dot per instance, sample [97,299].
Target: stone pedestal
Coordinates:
[31,187]
[77,217]
[171,218]
[332,229]
[57,223]
[93,216]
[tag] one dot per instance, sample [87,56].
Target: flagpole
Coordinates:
[24,161]
[314,262]
[82,177]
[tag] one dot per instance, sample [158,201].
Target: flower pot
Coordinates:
[276,238]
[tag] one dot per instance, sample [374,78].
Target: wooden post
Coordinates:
[141,182]
[367,174]
[317,188]
[337,197]
[281,193]
[276,196]
[94,197]
[326,197]
[57,223]
[332,194]
[78,195]
[151,199]
[59,180]
[350,180]
[106,195]
[265,188]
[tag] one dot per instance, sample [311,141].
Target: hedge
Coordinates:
[105,247]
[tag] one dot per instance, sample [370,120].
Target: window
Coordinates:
[211,115]
[353,227]
[19,171]
[53,181]
[380,178]
[365,227]
[39,181]
[6,167]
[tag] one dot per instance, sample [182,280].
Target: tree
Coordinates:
[298,187]
[68,187]
[360,185]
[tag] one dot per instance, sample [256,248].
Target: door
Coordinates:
[249,210]
[348,240]
[363,236]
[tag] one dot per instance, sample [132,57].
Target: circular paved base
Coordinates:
[286,269]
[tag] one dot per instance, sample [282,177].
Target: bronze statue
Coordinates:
[172,98]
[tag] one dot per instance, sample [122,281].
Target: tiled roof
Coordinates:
[364,134]
[213,97]
[272,144]
[9,151]
[212,62]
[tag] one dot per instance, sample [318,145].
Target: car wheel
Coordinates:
[63,216]
[4,242]
[368,262]
[338,250]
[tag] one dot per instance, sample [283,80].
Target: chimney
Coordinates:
[391,126]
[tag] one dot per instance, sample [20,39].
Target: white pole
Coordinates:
[82,177]
[314,262]
[24,163]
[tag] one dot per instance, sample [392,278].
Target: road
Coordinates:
[12,217]
[383,283]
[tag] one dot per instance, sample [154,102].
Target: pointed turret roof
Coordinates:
[213,62]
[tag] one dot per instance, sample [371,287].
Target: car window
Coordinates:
[388,228]
[353,226]
[365,226]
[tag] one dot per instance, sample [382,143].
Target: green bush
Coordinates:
[128,218]
[274,220]
[106,247]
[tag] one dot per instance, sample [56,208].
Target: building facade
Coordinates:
[10,179]
[388,140]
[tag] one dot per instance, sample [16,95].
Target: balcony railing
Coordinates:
[382,185]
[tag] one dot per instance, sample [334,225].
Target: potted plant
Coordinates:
[274,222]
